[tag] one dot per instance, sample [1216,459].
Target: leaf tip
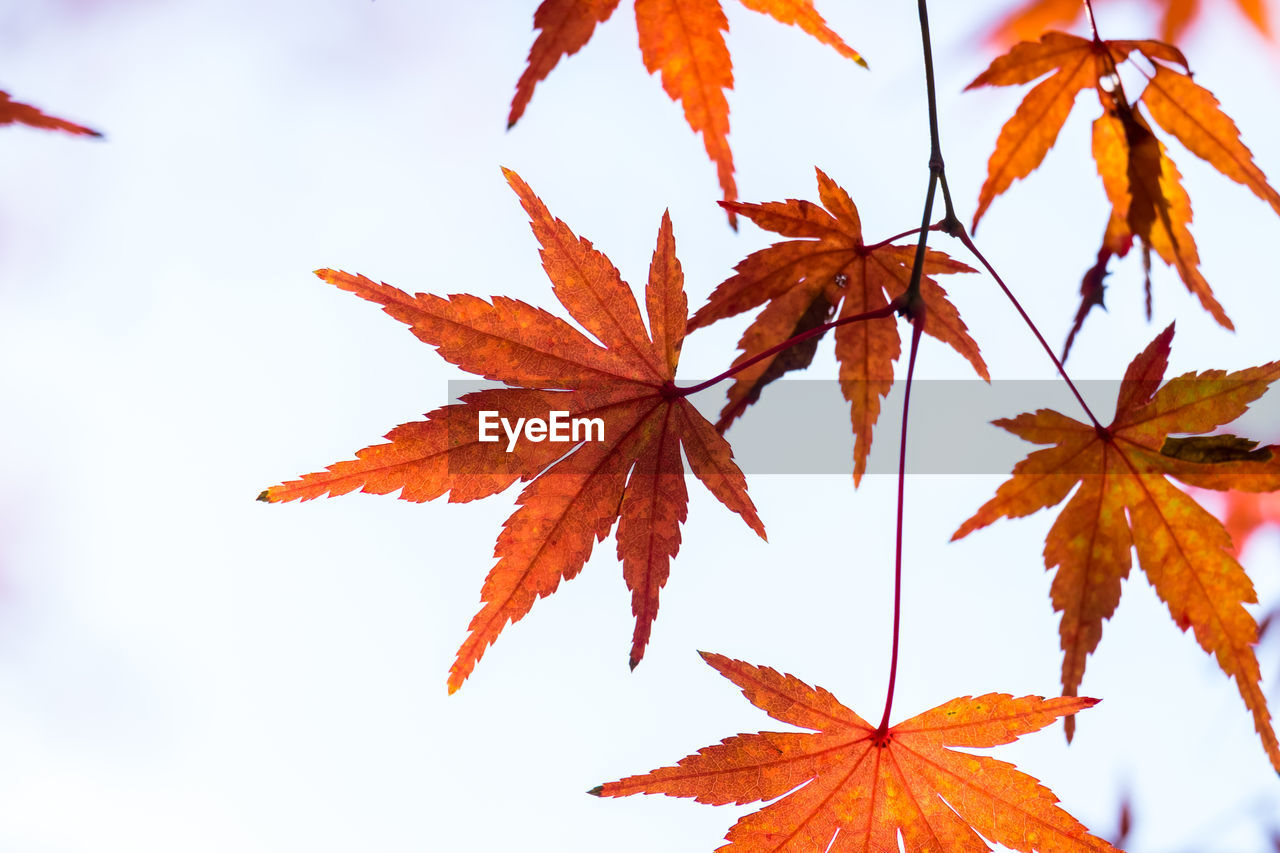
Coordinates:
[665,230]
[516,182]
[716,661]
[1163,342]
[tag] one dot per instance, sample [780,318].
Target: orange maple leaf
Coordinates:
[806,280]
[1141,181]
[1185,551]
[1035,17]
[577,492]
[14,112]
[684,39]
[862,787]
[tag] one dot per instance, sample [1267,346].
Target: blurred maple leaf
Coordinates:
[1141,181]
[684,39]
[13,112]
[861,787]
[804,281]
[1246,514]
[573,499]
[1036,17]
[1184,550]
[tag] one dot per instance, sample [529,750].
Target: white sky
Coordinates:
[182,668]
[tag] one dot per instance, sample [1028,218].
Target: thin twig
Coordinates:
[1093,23]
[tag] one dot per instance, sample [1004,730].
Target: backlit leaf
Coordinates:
[847,787]
[683,42]
[829,269]
[629,472]
[1185,552]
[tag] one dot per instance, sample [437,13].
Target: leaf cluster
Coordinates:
[846,784]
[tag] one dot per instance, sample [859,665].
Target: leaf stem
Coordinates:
[917,326]
[893,307]
[963,236]
[937,226]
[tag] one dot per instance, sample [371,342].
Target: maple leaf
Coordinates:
[1035,17]
[682,39]
[805,280]
[1140,179]
[1124,468]
[14,112]
[630,470]
[862,787]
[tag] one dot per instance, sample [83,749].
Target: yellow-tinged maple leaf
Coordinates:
[858,787]
[805,280]
[624,464]
[1193,115]
[1123,470]
[1036,17]
[1140,179]
[13,112]
[682,39]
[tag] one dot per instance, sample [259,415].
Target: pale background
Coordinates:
[182,668]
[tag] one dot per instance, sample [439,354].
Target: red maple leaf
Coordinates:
[827,268]
[1148,202]
[628,472]
[682,39]
[13,112]
[849,787]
